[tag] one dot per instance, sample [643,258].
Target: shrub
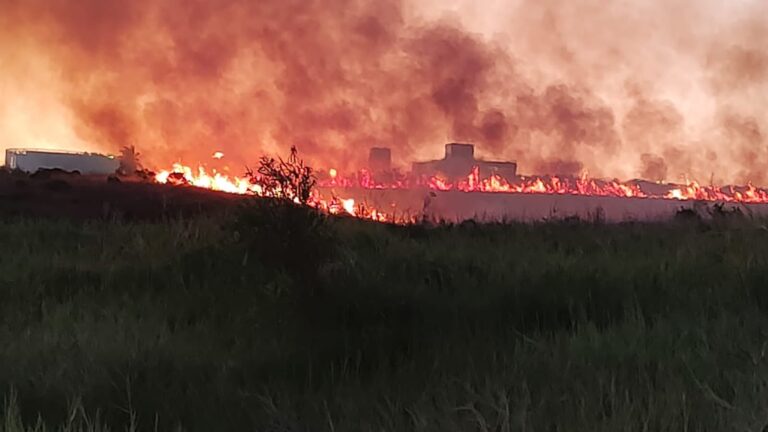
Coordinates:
[286,237]
[290,180]
[280,230]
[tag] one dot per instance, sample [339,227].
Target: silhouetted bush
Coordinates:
[280,231]
[288,179]
[283,236]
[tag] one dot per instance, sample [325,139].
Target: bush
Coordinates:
[280,230]
[286,237]
[289,180]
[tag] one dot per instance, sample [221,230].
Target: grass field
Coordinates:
[277,320]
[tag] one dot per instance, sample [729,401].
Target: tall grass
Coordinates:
[559,326]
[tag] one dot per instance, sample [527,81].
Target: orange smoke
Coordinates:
[628,89]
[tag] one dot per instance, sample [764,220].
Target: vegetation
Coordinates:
[129,160]
[248,322]
[289,179]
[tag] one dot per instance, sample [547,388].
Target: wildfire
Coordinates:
[181,174]
[554,185]
[472,183]
[213,180]
[744,194]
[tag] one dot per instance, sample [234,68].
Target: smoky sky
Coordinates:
[658,89]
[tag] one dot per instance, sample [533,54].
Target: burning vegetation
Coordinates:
[562,87]
[293,180]
[183,309]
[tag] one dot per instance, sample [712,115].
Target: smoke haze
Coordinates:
[656,89]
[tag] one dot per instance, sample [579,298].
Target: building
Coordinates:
[30,160]
[380,159]
[458,162]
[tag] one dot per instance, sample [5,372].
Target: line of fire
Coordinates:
[457,187]
[461,187]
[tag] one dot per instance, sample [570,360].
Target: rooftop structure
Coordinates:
[380,159]
[458,162]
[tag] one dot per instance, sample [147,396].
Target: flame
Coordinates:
[181,174]
[744,194]
[184,175]
[472,183]
[349,206]
[494,183]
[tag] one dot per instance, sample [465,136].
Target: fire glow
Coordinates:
[184,175]
[473,183]
[554,185]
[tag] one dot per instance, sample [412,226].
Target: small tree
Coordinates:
[285,179]
[129,160]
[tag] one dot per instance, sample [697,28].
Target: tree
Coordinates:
[129,160]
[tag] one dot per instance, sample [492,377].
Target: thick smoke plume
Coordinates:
[661,89]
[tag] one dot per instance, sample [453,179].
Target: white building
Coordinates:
[30,160]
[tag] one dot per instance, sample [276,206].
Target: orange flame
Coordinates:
[185,175]
[745,194]
[473,182]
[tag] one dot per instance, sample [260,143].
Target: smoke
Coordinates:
[654,89]
[559,167]
[654,168]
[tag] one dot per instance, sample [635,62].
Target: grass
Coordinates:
[210,325]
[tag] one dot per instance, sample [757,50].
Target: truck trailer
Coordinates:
[31,160]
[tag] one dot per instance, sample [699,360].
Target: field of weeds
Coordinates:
[276,319]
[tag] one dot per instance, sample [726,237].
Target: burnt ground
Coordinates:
[79,197]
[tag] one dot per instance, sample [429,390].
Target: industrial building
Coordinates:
[380,159]
[458,162]
[30,160]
